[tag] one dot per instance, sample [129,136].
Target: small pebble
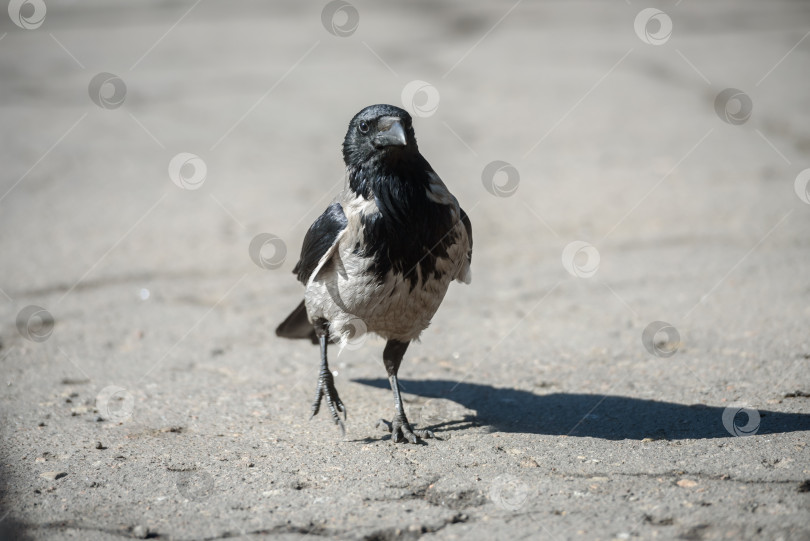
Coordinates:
[53,475]
[140,531]
[99,445]
[71,381]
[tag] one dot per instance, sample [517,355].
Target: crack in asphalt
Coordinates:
[681,473]
[312,529]
[398,534]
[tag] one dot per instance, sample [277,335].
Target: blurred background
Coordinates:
[608,125]
[147,144]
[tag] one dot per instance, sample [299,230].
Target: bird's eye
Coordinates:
[363,126]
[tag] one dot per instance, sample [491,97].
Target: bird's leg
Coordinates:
[400,427]
[326,383]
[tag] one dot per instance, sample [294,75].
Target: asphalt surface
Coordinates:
[630,361]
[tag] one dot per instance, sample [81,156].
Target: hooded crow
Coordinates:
[380,258]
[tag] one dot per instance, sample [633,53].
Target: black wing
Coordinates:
[321,235]
[468,227]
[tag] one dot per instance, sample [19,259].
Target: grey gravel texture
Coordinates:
[146,396]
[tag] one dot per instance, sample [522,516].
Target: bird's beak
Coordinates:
[391,133]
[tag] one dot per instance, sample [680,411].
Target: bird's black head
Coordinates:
[379,132]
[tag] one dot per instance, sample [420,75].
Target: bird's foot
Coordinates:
[401,430]
[326,388]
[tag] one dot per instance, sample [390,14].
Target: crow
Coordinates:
[381,256]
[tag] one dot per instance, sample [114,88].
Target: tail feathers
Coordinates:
[297,325]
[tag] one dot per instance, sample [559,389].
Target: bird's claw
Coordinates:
[402,431]
[326,388]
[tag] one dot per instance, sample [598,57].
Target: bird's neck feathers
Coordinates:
[402,172]
[398,186]
[407,229]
